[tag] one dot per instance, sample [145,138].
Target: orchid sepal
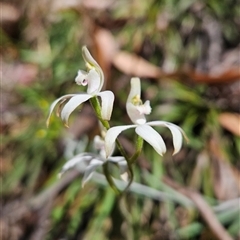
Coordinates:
[87,163]
[72,104]
[176,131]
[152,137]
[54,104]
[92,64]
[136,110]
[111,137]
[107,100]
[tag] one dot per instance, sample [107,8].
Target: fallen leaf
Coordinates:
[132,64]
[105,43]
[231,74]
[231,122]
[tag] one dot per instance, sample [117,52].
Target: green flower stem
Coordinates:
[139,146]
[122,151]
[109,179]
[97,108]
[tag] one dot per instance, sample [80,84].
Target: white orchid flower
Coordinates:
[94,80]
[136,111]
[87,163]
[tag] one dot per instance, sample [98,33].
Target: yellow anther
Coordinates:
[89,66]
[136,100]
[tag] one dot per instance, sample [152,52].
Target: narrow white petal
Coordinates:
[176,131]
[152,137]
[135,109]
[96,161]
[135,89]
[90,170]
[79,161]
[92,64]
[87,176]
[93,80]
[72,104]
[53,105]
[117,159]
[88,57]
[107,98]
[111,136]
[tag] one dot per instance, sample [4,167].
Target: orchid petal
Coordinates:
[135,89]
[107,98]
[134,114]
[111,136]
[95,163]
[98,142]
[81,78]
[72,104]
[176,131]
[135,109]
[117,159]
[93,80]
[53,105]
[152,137]
[146,107]
[88,57]
[92,64]
[79,161]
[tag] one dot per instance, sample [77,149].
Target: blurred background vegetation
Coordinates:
[187,55]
